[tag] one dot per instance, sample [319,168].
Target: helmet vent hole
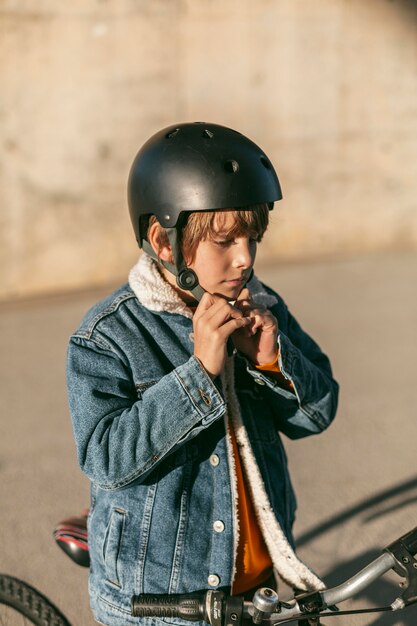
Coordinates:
[265,162]
[231,166]
[208,134]
[172,133]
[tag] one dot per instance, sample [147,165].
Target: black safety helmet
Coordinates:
[196,167]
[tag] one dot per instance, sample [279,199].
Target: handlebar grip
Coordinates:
[189,607]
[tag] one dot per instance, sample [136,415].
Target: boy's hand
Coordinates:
[258,340]
[214,321]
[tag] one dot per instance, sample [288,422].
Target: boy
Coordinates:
[180,381]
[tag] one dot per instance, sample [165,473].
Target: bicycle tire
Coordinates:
[29,603]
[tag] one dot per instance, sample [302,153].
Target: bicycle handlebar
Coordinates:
[192,607]
[217,609]
[359,581]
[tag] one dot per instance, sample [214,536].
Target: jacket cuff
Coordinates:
[200,390]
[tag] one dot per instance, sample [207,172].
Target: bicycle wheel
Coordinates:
[21,604]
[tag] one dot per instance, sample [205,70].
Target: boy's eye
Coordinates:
[223,242]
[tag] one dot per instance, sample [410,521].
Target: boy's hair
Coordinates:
[196,226]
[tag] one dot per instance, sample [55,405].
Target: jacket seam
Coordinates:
[145,386]
[315,417]
[129,479]
[145,526]
[112,308]
[181,532]
[96,340]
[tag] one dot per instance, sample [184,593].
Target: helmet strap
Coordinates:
[186,277]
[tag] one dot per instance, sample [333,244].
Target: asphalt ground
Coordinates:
[356,483]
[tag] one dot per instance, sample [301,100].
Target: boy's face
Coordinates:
[224,263]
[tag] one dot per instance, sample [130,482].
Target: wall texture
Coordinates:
[328,88]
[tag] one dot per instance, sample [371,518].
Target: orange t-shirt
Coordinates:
[253,563]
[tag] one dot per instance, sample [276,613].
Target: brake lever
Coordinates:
[406,567]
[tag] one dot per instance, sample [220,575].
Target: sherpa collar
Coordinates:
[153,291]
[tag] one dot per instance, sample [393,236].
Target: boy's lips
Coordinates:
[235,281]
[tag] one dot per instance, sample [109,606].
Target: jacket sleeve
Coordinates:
[120,433]
[310,406]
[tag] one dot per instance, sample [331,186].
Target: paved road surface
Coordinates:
[356,483]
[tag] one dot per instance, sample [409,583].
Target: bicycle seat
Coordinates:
[72,537]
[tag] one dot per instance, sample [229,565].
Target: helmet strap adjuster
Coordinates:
[187,279]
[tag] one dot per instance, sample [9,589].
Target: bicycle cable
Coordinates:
[308,616]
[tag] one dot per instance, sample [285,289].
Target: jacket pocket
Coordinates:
[112,545]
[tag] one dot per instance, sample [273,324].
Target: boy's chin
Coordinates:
[228,293]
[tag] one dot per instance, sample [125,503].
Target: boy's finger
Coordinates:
[234,324]
[243,305]
[206,302]
[244,295]
[262,316]
[221,313]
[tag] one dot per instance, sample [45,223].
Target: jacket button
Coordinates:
[259,381]
[214,460]
[218,526]
[213,580]
[206,399]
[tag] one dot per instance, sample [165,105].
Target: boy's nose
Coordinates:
[244,255]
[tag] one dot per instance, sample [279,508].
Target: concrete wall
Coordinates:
[327,87]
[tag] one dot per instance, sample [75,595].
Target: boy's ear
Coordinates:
[162,249]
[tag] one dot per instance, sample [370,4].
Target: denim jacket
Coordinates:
[151,432]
